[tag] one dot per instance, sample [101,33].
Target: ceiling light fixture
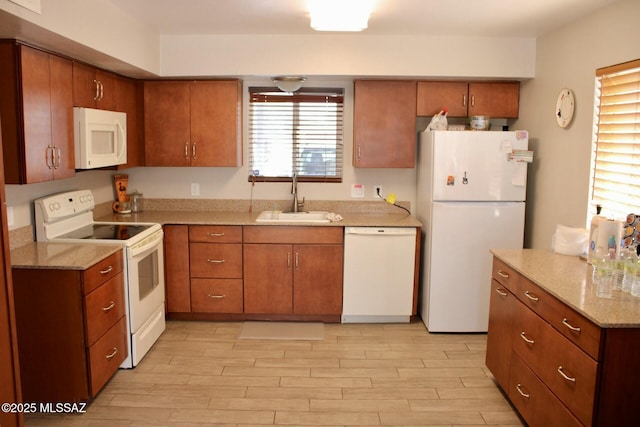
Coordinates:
[340,15]
[289,83]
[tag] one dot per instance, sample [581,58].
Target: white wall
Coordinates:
[558,191]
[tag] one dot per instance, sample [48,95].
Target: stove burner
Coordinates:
[106,232]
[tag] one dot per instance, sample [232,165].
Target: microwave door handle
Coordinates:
[123,145]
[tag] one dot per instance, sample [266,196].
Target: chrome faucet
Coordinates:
[294,190]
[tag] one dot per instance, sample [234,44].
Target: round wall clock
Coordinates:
[564,107]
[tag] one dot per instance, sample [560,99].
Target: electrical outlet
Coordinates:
[377,192]
[195,189]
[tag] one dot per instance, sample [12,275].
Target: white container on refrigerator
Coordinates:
[470,199]
[379,271]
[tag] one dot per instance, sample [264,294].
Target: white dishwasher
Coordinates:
[379,265]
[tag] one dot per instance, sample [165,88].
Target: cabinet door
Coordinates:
[317,287]
[215,123]
[434,96]
[85,87]
[61,83]
[500,99]
[499,336]
[167,123]
[93,88]
[36,112]
[268,278]
[176,268]
[384,125]
[129,100]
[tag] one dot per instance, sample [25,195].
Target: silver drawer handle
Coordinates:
[106,270]
[215,234]
[527,340]
[532,297]
[565,376]
[503,274]
[215,261]
[217,296]
[109,307]
[522,393]
[501,292]
[566,323]
[113,353]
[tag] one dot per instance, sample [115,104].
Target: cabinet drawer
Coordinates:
[104,307]
[568,322]
[535,402]
[215,233]
[293,234]
[214,260]
[216,295]
[568,372]
[505,275]
[102,271]
[106,355]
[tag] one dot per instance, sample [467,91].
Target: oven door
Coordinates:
[146,279]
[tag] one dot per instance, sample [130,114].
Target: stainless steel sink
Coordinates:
[277,216]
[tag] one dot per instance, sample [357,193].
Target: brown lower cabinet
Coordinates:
[71,328]
[557,367]
[254,272]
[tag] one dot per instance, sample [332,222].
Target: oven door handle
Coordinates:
[147,244]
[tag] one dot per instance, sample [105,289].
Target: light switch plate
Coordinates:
[195,189]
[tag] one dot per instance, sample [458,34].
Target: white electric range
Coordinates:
[68,217]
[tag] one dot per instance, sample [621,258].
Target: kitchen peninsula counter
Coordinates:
[61,256]
[568,278]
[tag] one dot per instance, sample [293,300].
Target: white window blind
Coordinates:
[616,169]
[299,133]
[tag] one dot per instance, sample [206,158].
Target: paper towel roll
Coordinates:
[610,228]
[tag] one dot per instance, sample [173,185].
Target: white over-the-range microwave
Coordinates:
[100,138]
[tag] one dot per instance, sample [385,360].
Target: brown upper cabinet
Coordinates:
[384,124]
[36,107]
[93,88]
[462,99]
[129,99]
[193,123]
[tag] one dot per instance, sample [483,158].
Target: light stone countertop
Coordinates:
[245,218]
[568,278]
[62,256]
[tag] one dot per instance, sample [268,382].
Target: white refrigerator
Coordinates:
[470,199]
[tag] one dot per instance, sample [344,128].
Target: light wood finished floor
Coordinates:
[199,374]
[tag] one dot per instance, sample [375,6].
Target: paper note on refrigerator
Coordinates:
[519,174]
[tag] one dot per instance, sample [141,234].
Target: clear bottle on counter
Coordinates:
[628,259]
[603,267]
[635,286]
